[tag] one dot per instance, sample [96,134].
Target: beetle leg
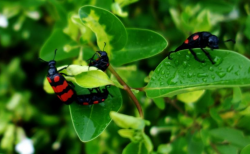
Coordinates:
[63,68]
[195,56]
[208,55]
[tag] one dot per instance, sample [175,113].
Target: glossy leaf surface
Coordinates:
[141,44]
[185,74]
[64,44]
[91,120]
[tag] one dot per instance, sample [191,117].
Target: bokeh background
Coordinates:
[27,111]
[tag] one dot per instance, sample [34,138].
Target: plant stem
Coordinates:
[128,90]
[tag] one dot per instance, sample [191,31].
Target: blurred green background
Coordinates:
[27,111]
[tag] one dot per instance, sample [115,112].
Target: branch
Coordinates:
[127,89]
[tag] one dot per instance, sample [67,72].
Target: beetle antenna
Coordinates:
[104,46]
[230,40]
[55,55]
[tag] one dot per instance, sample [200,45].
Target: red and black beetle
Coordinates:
[93,98]
[59,84]
[200,40]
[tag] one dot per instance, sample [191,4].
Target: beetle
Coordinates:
[62,88]
[102,62]
[93,98]
[200,40]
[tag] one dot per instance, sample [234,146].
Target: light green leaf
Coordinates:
[141,44]
[107,27]
[185,74]
[190,97]
[126,121]
[245,150]
[227,149]
[90,121]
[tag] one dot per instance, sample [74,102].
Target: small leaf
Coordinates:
[60,41]
[159,103]
[107,27]
[214,114]
[141,44]
[126,121]
[135,148]
[81,74]
[190,97]
[185,74]
[245,150]
[237,95]
[234,136]
[227,149]
[90,121]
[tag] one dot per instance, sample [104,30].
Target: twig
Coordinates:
[128,90]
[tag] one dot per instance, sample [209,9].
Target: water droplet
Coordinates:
[202,75]
[167,72]
[176,62]
[213,77]
[161,83]
[185,64]
[217,60]
[162,72]
[203,64]
[187,57]
[211,68]
[174,80]
[240,66]
[230,68]
[152,78]
[204,79]
[220,68]
[237,73]
[168,63]
[190,75]
[221,74]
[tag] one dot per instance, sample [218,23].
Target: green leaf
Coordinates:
[185,74]
[64,44]
[126,121]
[135,148]
[190,97]
[237,95]
[81,74]
[245,150]
[214,114]
[234,136]
[247,27]
[107,27]
[141,44]
[90,121]
[160,103]
[227,149]
[195,145]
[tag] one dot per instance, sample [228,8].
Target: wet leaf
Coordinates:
[185,74]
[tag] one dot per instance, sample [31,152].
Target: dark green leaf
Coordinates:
[227,149]
[234,136]
[60,41]
[135,148]
[184,73]
[90,121]
[141,44]
[160,103]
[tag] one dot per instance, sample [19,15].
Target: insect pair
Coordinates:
[200,40]
[64,89]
